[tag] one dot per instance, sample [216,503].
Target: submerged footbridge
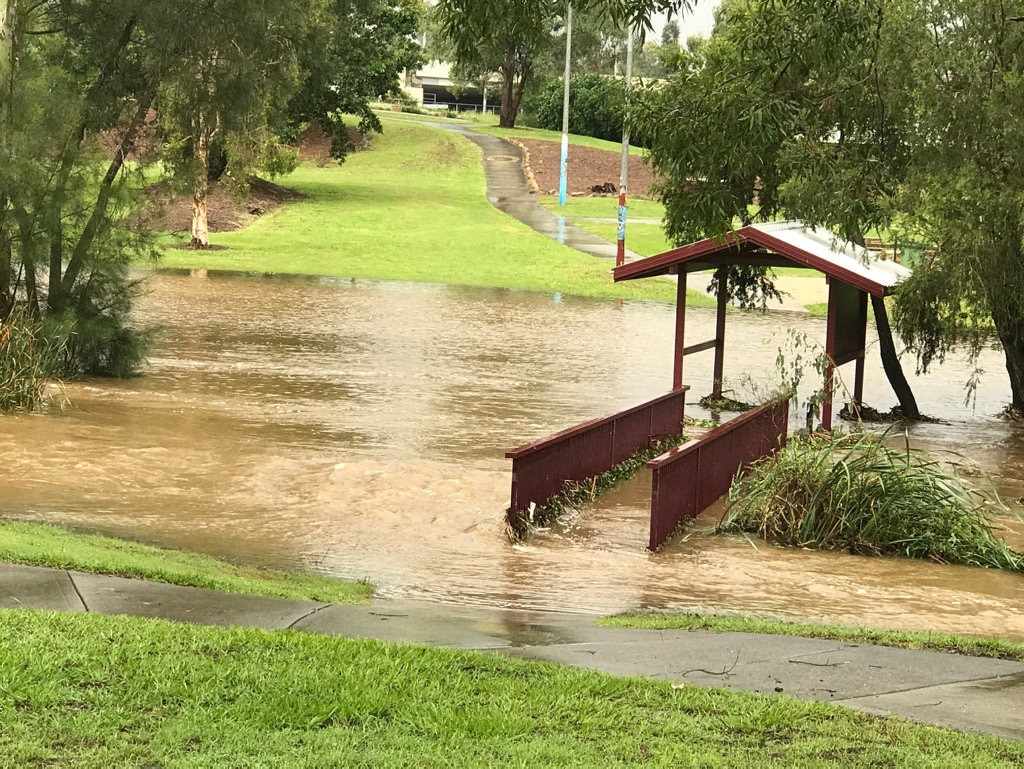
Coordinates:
[688,479]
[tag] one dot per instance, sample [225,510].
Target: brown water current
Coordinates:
[358,429]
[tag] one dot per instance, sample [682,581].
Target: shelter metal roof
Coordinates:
[777,244]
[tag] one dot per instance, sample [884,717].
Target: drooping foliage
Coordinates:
[79,82]
[901,117]
[964,200]
[353,55]
[503,36]
[777,112]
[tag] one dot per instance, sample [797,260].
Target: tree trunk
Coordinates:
[514,72]
[891,362]
[517,98]
[507,118]
[1010,330]
[200,221]
[98,218]
[7,58]
[1013,346]
[7,54]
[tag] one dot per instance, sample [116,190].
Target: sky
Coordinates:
[698,21]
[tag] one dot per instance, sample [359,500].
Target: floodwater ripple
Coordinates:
[358,429]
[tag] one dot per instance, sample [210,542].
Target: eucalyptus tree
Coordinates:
[355,52]
[234,80]
[503,36]
[79,85]
[76,72]
[964,200]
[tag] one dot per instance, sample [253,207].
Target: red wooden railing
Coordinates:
[542,468]
[687,480]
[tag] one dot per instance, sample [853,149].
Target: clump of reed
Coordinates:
[853,493]
[29,359]
[575,494]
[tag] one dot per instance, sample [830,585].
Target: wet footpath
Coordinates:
[966,693]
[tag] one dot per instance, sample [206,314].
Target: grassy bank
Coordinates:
[543,134]
[41,545]
[413,207]
[89,690]
[974,646]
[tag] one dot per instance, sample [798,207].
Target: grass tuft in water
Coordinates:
[575,494]
[853,493]
[29,357]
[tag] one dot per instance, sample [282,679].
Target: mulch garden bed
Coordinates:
[591,171]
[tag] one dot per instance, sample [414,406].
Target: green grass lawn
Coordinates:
[411,208]
[42,545]
[84,690]
[644,239]
[975,646]
[603,207]
[543,134]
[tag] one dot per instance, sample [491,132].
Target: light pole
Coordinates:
[563,176]
[620,250]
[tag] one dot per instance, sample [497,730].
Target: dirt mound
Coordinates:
[166,212]
[589,168]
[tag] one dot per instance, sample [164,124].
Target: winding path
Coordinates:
[508,191]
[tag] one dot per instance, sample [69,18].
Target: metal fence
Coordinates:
[687,480]
[542,468]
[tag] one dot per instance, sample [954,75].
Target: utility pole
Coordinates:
[620,251]
[563,176]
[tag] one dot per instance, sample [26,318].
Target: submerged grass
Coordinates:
[853,493]
[95,691]
[575,494]
[972,646]
[42,545]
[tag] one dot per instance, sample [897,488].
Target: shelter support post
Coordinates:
[830,353]
[858,383]
[677,366]
[723,299]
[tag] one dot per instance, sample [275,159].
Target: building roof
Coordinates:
[777,244]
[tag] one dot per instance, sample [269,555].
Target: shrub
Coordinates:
[853,493]
[596,106]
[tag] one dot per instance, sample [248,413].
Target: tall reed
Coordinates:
[29,358]
[853,493]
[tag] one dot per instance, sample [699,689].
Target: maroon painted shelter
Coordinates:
[853,273]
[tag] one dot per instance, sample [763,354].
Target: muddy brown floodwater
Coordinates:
[358,429]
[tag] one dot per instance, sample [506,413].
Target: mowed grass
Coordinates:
[543,134]
[96,691]
[42,545]
[644,239]
[973,646]
[411,208]
[603,208]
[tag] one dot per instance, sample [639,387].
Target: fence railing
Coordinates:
[687,480]
[542,468]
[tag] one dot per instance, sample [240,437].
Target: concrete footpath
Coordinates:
[966,693]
